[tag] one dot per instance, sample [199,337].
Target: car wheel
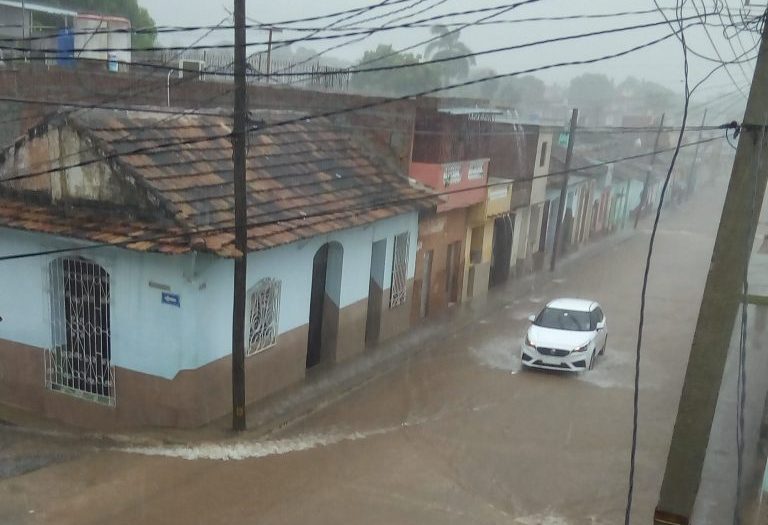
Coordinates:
[592,361]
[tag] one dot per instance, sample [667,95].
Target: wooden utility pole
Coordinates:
[564,191]
[692,173]
[239,146]
[646,183]
[717,314]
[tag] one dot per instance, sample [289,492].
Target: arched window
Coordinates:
[264,313]
[79,360]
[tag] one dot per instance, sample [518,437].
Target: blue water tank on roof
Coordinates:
[65,45]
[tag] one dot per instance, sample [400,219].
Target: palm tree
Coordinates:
[447,45]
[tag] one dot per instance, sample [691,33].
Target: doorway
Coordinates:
[502,250]
[426,284]
[452,272]
[324,303]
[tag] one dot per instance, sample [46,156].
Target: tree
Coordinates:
[395,81]
[526,91]
[646,96]
[448,45]
[592,93]
[130,9]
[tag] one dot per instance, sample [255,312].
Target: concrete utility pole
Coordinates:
[689,185]
[564,190]
[239,145]
[644,195]
[717,314]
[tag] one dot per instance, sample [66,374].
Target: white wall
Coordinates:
[160,339]
[539,185]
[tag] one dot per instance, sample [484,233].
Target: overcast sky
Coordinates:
[661,63]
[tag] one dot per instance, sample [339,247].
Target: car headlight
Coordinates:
[582,348]
[528,342]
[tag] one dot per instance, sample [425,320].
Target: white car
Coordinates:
[568,334]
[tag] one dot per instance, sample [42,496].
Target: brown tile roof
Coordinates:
[93,225]
[304,179]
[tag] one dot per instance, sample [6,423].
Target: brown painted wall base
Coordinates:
[192,398]
[351,335]
[395,321]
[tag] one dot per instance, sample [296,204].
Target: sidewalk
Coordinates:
[325,385]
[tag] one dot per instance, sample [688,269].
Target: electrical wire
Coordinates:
[365,36]
[719,56]
[360,107]
[352,210]
[387,101]
[288,24]
[463,56]
[497,11]
[729,40]
[646,274]
[353,14]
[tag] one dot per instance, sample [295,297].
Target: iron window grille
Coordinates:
[264,314]
[79,360]
[399,287]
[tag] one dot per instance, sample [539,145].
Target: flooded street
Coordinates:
[457,434]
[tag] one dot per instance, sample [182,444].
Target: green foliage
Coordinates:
[446,46]
[130,9]
[397,81]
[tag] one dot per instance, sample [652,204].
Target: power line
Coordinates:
[455,57]
[720,57]
[396,67]
[368,34]
[341,210]
[363,106]
[498,11]
[646,273]
[354,12]
[287,25]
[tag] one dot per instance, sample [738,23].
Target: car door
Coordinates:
[602,333]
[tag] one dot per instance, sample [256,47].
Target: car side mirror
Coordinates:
[601,324]
[531,318]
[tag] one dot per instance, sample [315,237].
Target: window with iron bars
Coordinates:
[264,314]
[399,287]
[79,359]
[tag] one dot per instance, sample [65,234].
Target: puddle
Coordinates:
[615,369]
[500,353]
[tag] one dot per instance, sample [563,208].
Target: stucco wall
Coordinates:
[159,339]
[539,185]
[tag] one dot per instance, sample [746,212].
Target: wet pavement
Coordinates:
[455,433]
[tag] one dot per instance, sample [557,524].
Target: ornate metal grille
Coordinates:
[265,311]
[79,360]
[399,287]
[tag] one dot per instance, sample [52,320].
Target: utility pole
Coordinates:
[239,145]
[717,313]
[269,55]
[644,195]
[689,185]
[564,190]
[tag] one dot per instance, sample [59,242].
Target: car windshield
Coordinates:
[560,319]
